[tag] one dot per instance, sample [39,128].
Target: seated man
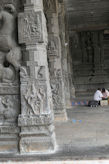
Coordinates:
[98,95]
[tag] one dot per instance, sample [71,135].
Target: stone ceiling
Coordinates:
[87,14]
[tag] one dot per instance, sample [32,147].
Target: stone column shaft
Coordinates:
[55,62]
[36,119]
[65,53]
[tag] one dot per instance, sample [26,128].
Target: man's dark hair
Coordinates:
[99,89]
[103,89]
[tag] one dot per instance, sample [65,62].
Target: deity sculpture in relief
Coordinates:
[35,99]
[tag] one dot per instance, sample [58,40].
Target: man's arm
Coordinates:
[101,95]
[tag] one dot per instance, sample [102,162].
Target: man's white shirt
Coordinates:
[98,95]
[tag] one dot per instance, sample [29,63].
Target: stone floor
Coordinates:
[84,137]
[86,134]
[61,162]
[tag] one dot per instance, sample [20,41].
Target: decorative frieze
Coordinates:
[32,120]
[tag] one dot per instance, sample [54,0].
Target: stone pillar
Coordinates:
[70,64]
[71,76]
[36,119]
[55,60]
[64,50]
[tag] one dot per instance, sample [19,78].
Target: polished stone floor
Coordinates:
[85,136]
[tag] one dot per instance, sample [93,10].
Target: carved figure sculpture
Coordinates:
[41,72]
[35,99]
[7,28]
[6,74]
[8,42]
[7,108]
[56,93]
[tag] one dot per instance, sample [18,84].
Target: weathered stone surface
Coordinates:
[53,46]
[88,61]
[32,120]
[55,56]
[36,115]
[9,137]
[36,144]
[86,17]
[36,119]
[30,27]
[50,6]
[64,38]
[29,97]
[10,60]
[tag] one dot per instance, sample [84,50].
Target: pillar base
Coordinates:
[9,137]
[37,134]
[36,144]
[62,116]
[68,104]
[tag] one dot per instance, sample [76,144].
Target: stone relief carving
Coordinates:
[56,94]
[14,57]
[50,5]
[9,108]
[55,73]
[66,79]
[23,72]
[41,72]
[30,29]
[8,44]
[33,96]
[53,46]
[7,75]
[16,3]
[35,99]
[30,120]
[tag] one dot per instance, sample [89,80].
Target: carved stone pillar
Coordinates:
[55,58]
[64,50]
[36,119]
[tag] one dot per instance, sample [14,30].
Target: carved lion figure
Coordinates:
[7,28]
[8,41]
